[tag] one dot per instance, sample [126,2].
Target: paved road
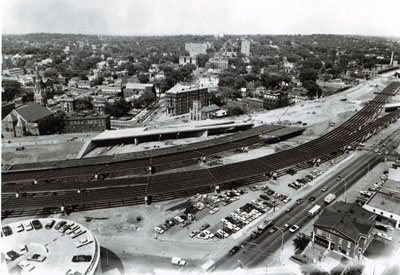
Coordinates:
[255,253]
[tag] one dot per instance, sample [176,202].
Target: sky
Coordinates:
[174,17]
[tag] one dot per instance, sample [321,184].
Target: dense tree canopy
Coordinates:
[118,109]
[52,124]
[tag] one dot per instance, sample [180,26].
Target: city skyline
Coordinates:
[177,17]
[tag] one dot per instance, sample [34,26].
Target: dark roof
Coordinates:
[80,116]
[33,112]
[346,218]
[211,108]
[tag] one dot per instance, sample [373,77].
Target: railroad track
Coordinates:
[83,195]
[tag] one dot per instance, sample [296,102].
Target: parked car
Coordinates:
[7,230]
[81,258]
[37,224]
[26,266]
[37,258]
[384,236]
[28,226]
[50,224]
[204,226]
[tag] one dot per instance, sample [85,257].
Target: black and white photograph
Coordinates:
[200,137]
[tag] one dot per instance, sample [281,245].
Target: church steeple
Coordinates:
[40,92]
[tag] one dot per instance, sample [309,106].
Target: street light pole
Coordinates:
[280,229]
[368,168]
[345,189]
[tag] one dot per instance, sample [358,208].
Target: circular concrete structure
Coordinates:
[49,246]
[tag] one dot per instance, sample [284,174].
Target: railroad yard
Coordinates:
[217,199]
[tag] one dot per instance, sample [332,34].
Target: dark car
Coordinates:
[60,224]
[234,250]
[265,197]
[299,201]
[81,258]
[285,227]
[204,226]
[50,224]
[12,255]
[37,224]
[7,230]
[273,229]
[311,199]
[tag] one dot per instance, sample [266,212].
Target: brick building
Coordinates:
[179,99]
[345,228]
[137,89]
[79,123]
[273,100]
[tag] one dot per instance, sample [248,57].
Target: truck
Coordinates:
[208,266]
[329,198]
[264,225]
[177,261]
[314,210]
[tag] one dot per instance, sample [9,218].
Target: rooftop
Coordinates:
[33,112]
[347,218]
[138,85]
[58,248]
[138,132]
[387,198]
[178,88]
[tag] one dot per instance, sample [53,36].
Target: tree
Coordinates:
[148,97]
[99,80]
[11,88]
[312,88]
[308,74]
[118,108]
[300,243]
[143,78]
[214,99]
[50,73]
[83,104]
[235,111]
[202,59]
[28,97]
[51,124]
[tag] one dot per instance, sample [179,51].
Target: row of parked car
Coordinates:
[308,178]
[209,202]
[183,220]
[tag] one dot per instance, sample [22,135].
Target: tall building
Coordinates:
[245,47]
[195,49]
[180,98]
[40,90]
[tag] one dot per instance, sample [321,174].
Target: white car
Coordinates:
[223,233]
[28,226]
[384,236]
[213,211]
[294,228]
[158,230]
[209,234]
[203,236]
[179,219]
[26,266]
[23,249]
[20,228]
